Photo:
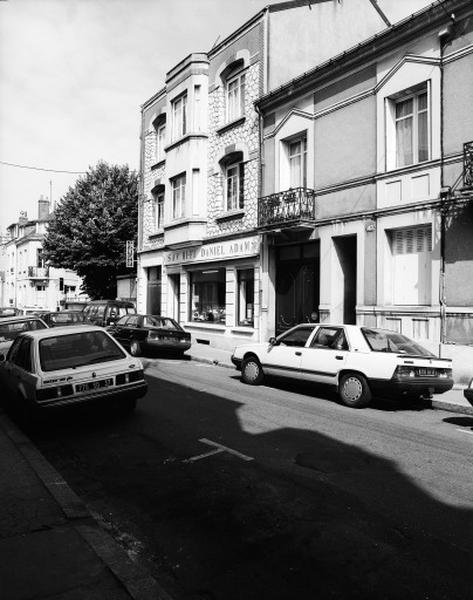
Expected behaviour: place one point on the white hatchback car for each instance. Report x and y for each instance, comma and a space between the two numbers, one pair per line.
71, 365
358, 361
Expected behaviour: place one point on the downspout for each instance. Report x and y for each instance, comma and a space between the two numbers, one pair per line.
445, 193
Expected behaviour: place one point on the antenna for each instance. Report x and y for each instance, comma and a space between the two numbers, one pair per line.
215, 43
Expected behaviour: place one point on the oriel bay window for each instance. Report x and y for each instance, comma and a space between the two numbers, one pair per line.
178, 185
246, 297
297, 154
208, 295
412, 128
233, 170
158, 208
179, 117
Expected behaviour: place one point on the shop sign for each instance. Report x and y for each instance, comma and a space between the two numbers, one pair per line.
230, 249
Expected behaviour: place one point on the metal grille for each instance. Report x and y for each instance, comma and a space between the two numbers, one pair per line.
468, 164
288, 207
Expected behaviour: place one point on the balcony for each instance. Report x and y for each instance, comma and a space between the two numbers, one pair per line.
468, 165
293, 208
38, 272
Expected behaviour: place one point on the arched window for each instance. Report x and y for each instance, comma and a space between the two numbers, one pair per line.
234, 80
159, 125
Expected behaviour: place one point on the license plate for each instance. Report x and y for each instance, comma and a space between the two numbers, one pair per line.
94, 385
426, 372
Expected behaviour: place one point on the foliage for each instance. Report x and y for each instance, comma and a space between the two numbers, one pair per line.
90, 226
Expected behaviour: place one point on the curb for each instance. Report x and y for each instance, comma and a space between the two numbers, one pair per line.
436, 404
139, 584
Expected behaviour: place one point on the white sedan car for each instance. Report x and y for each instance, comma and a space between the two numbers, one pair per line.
358, 361
65, 366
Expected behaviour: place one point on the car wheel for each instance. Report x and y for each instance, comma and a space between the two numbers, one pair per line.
252, 371
354, 390
135, 348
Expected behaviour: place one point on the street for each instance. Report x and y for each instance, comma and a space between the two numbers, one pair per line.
228, 491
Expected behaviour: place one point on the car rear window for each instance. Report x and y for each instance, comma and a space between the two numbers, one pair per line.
161, 322
77, 349
390, 341
9, 331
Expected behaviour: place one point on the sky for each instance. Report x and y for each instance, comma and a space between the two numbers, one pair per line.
74, 73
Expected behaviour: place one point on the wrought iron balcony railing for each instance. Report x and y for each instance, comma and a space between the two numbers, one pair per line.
287, 208
468, 164
38, 272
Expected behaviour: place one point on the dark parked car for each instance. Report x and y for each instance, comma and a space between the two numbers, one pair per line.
107, 312
142, 333
11, 327
65, 317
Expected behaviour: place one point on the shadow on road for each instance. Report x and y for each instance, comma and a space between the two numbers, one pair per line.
310, 517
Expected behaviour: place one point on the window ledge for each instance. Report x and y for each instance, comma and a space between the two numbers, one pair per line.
231, 214
156, 234
184, 139
248, 329
158, 164
230, 125
204, 325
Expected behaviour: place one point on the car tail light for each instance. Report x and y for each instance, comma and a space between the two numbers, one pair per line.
403, 371
124, 378
54, 392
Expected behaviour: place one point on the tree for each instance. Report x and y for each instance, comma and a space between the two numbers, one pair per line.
89, 228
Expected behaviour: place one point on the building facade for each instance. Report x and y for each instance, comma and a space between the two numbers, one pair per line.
29, 283
202, 255
366, 203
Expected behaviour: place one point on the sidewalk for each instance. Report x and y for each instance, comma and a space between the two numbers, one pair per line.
50, 546
452, 400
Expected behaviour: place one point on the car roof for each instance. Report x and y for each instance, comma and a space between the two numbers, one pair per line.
118, 302
20, 318
38, 334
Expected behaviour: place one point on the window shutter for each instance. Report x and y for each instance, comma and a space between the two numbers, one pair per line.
242, 95
241, 183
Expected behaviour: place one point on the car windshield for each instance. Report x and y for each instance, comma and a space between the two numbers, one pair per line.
67, 317
77, 349
9, 331
380, 340
161, 322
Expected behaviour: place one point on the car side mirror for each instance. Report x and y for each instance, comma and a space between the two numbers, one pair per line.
2, 358
273, 341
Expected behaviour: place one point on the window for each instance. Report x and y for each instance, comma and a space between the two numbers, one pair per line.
234, 185
158, 209
178, 196
296, 337
21, 356
39, 257
160, 141
389, 341
235, 96
179, 117
297, 153
412, 129
246, 296
331, 338
208, 295
411, 265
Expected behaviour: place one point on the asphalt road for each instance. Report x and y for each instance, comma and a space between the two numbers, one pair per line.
229, 491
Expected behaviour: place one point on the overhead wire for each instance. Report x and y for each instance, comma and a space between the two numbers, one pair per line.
30, 167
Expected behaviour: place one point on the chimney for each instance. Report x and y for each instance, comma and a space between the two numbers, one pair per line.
43, 209
23, 218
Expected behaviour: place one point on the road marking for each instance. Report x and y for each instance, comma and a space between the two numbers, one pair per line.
226, 449
464, 431
211, 453
219, 449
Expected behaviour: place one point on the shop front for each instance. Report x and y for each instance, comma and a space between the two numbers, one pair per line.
213, 290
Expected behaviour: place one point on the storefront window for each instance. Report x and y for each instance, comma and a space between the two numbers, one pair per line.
208, 295
246, 294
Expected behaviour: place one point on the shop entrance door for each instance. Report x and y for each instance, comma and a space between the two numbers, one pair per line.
153, 300
297, 285
175, 297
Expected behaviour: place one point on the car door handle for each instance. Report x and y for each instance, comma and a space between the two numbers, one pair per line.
338, 357
298, 353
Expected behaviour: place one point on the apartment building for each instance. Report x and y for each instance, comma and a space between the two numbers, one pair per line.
29, 283
365, 209
201, 249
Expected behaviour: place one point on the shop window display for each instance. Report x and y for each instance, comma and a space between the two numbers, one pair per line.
208, 296
246, 293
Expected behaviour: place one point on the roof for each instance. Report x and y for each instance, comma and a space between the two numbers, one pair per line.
436, 14
40, 334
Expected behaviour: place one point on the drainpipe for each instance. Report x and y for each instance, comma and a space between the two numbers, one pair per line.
444, 36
